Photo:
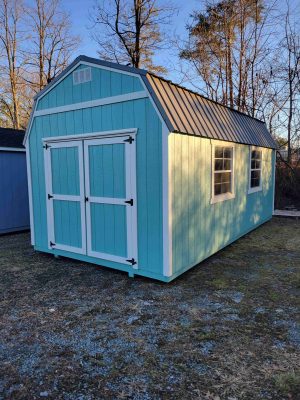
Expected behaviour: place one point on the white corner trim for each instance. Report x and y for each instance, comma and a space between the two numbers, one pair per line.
167, 191
29, 186
93, 103
92, 135
12, 149
224, 196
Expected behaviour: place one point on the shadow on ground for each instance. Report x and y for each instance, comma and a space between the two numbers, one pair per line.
227, 329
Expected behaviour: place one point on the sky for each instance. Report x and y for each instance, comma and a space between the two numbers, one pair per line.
79, 11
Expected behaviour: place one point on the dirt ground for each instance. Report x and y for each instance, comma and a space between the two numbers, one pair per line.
227, 329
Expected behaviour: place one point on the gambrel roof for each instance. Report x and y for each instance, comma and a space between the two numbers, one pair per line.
187, 112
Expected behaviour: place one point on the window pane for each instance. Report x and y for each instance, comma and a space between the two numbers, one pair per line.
217, 189
218, 177
227, 152
256, 154
226, 177
218, 165
225, 187
255, 179
219, 152
227, 164
222, 182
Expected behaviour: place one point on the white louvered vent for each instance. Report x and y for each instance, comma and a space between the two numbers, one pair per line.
82, 76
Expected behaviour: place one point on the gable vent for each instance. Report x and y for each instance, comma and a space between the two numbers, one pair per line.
82, 75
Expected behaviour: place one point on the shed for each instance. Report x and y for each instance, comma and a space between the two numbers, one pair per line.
130, 171
14, 207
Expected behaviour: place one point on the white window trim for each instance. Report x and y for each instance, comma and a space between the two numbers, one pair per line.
224, 196
257, 188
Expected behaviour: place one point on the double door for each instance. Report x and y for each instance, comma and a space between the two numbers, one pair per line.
91, 197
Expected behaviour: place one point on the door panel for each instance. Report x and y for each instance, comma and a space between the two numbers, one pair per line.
65, 170
111, 206
107, 170
65, 196
108, 229
67, 223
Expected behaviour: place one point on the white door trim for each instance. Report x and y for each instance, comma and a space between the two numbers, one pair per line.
131, 218
49, 201
92, 135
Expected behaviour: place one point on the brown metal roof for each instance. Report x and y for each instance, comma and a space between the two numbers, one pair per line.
188, 112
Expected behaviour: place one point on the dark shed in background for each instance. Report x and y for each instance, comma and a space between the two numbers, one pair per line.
14, 208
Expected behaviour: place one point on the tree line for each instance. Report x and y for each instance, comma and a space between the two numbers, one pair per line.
244, 54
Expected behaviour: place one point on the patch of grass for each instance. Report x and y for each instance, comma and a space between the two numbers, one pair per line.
206, 336
288, 384
274, 295
220, 283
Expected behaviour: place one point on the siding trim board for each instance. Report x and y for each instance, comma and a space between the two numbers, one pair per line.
12, 149
92, 103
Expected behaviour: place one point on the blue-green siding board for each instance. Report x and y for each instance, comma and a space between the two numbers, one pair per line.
104, 84
138, 114
199, 227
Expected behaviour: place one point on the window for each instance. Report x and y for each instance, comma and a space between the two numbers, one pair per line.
255, 170
82, 75
222, 173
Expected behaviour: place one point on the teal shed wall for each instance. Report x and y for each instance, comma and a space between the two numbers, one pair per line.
138, 114
200, 228
197, 228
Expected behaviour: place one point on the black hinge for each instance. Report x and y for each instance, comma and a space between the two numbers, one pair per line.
86, 199
46, 146
132, 261
52, 244
129, 202
129, 140
50, 196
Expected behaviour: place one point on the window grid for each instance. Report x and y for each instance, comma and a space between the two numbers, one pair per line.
255, 169
222, 170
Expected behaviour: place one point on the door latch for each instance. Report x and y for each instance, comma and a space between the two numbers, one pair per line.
129, 140
129, 202
131, 261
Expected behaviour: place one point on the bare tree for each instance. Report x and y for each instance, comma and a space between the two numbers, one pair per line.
130, 30
10, 15
51, 43
291, 71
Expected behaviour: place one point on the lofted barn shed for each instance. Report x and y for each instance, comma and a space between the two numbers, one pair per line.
132, 172
14, 208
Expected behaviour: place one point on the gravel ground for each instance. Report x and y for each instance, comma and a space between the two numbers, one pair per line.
227, 329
